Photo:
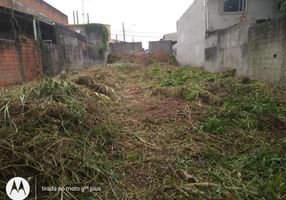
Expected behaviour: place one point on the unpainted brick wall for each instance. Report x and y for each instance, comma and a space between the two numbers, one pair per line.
38, 8
32, 59
10, 65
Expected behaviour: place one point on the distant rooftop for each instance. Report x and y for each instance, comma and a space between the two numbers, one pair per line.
171, 37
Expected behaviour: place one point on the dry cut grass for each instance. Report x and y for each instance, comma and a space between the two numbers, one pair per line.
146, 132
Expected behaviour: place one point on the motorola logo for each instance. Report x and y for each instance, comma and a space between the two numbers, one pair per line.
18, 188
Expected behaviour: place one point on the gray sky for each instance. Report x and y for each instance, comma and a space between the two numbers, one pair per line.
144, 19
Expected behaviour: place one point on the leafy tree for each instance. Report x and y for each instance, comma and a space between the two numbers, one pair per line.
282, 5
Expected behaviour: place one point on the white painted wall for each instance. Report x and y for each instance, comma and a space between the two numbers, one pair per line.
191, 35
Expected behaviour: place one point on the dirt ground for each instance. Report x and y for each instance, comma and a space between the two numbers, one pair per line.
164, 155
153, 136
147, 131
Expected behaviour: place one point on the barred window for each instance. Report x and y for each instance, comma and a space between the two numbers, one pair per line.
234, 5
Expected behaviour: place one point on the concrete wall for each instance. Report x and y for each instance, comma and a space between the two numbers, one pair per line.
220, 41
191, 29
95, 37
80, 28
257, 51
20, 61
267, 51
39, 8
227, 49
71, 51
256, 10
161, 47
203, 18
125, 48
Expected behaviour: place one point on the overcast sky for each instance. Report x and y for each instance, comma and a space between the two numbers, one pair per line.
144, 19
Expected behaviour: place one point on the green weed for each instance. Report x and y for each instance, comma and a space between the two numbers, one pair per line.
247, 107
175, 78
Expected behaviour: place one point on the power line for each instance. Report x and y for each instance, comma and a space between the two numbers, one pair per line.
146, 36
138, 32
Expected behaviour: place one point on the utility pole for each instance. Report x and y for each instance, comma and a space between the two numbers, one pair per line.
83, 11
77, 20
73, 17
123, 32
88, 18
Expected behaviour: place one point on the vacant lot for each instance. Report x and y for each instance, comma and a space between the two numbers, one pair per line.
146, 132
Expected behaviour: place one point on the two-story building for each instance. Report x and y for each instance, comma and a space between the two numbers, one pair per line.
35, 39
38, 8
206, 16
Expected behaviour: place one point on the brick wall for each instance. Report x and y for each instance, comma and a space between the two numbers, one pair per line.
9, 73
32, 59
38, 8
9, 61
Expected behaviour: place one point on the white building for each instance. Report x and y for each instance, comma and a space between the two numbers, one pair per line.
206, 16
170, 36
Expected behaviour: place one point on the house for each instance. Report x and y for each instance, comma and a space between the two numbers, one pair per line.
205, 17
35, 39
38, 8
171, 37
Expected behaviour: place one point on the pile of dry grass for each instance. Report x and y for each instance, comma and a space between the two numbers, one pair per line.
56, 133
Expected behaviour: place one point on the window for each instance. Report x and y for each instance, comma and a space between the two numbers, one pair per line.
234, 5
48, 33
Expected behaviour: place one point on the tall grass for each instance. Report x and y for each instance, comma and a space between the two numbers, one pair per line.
56, 133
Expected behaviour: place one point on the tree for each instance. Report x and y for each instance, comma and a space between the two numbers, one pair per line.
283, 5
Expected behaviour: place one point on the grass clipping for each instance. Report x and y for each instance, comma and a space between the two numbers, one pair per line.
55, 133
239, 124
